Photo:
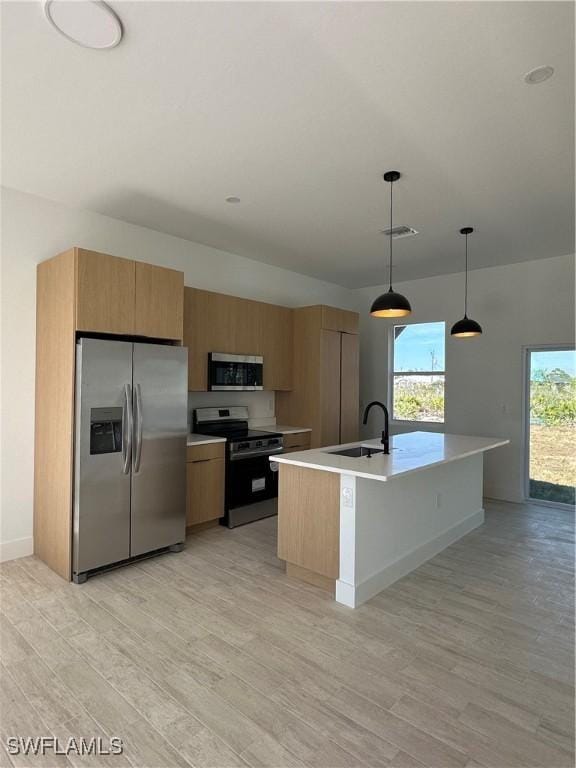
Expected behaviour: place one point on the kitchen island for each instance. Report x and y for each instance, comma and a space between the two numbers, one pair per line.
354, 524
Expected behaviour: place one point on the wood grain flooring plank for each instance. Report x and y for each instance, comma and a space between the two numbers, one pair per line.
45, 691
212, 658
531, 750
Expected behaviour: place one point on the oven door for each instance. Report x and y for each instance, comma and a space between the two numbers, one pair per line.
235, 372
250, 480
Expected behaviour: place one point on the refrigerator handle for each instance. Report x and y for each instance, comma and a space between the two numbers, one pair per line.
138, 427
127, 429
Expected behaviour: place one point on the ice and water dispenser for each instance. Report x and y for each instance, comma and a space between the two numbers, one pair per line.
105, 430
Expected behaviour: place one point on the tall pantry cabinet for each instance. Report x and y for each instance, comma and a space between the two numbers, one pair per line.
325, 376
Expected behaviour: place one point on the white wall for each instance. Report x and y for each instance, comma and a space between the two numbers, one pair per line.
35, 229
518, 305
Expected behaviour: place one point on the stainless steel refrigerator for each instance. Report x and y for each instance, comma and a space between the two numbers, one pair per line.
130, 452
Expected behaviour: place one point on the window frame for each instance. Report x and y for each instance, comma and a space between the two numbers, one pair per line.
392, 373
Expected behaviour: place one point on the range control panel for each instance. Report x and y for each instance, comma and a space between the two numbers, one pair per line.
264, 447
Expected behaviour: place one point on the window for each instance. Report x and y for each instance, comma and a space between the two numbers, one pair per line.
550, 403
418, 373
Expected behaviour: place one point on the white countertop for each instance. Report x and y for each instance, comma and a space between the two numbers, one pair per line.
283, 429
195, 439
409, 452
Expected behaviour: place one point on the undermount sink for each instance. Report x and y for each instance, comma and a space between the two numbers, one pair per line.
357, 452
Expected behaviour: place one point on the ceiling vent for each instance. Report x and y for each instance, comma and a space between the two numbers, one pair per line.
399, 232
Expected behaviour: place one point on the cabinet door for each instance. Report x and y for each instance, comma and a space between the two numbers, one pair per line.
350, 386
277, 339
159, 304
204, 491
245, 332
330, 387
208, 325
297, 441
195, 340
343, 320
104, 293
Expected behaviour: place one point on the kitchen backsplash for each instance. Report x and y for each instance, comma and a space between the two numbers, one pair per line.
261, 405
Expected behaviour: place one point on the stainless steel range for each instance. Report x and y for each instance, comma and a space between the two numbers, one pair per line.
251, 481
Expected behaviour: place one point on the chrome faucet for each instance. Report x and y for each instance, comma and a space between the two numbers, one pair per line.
386, 430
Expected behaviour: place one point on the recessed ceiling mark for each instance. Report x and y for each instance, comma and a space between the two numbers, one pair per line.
89, 23
233, 199
539, 75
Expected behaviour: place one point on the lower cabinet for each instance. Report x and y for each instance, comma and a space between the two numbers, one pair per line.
205, 483
297, 441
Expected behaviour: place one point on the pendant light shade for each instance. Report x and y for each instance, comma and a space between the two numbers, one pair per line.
391, 304
466, 327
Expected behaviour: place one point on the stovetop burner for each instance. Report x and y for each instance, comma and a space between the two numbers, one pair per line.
253, 434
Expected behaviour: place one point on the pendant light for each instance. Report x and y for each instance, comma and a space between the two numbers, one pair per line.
466, 327
391, 304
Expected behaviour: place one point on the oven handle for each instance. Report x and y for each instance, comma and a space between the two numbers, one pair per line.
251, 454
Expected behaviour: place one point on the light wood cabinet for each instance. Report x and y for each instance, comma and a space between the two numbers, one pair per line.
325, 390
297, 441
276, 346
127, 298
349, 387
246, 336
208, 327
105, 290
205, 483
309, 522
330, 389
343, 320
215, 322
205, 451
159, 302
54, 420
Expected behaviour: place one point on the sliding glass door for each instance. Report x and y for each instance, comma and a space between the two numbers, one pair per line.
551, 424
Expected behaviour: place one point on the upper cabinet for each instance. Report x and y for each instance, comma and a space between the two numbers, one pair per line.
105, 287
215, 322
342, 320
208, 327
159, 304
277, 333
125, 297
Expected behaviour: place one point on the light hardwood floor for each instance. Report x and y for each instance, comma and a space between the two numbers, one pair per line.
213, 657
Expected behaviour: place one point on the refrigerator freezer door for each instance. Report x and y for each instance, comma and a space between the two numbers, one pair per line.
101, 529
160, 384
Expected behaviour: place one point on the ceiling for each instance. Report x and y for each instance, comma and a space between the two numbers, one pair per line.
298, 109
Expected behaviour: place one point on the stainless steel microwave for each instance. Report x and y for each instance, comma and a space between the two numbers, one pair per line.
233, 373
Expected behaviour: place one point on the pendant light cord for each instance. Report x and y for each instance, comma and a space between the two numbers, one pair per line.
466, 280
391, 185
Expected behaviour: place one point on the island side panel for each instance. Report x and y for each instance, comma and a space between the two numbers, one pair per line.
400, 524
309, 524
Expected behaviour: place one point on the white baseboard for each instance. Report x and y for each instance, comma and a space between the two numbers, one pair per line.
11, 550
355, 596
